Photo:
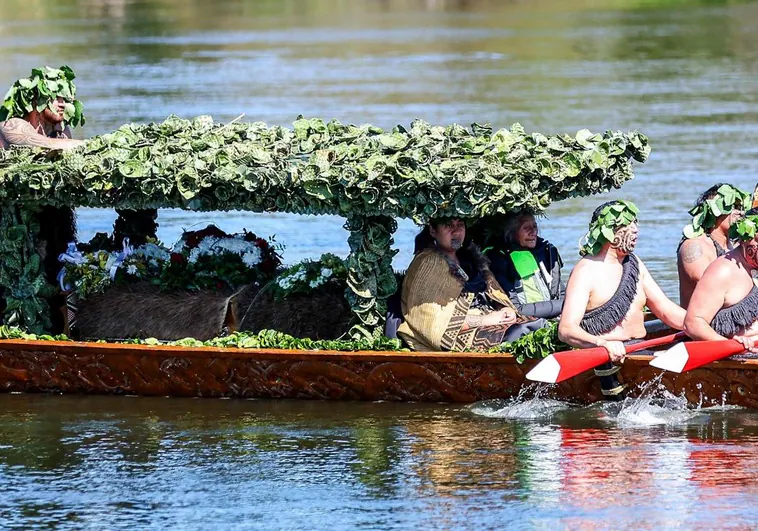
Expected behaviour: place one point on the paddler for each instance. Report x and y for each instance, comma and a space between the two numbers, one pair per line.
725, 302
38, 111
608, 290
34, 114
707, 236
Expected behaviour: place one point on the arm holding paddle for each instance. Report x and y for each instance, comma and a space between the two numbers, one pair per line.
569, 329
709, 297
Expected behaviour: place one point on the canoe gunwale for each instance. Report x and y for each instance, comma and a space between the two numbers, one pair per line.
77, 348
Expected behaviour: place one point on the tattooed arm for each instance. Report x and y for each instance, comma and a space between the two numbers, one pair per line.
695, 258
18, 132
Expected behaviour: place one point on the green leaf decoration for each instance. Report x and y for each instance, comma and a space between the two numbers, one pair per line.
367, 175
39, 91
618, 214
745, 229
706, 214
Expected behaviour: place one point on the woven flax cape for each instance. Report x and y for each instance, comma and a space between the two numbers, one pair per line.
728, 322
435, 307
607, 316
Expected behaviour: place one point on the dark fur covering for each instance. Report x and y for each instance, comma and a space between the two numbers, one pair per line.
141, 311
322, 314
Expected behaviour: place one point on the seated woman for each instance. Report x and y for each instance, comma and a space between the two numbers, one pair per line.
526, 266
450, 300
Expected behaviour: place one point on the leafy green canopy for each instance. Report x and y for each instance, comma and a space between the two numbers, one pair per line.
319, 168
40, 90
704, 214
745, 229
602, 230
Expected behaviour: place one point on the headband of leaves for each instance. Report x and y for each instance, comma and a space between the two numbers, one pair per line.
745, 228
603, 229
40, 90
705, 214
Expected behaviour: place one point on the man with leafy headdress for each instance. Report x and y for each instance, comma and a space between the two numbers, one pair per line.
609, 288
707, 236
725, 302
39, 110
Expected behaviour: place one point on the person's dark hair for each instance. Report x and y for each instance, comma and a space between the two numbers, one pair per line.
424, 238
710, 193
598, 210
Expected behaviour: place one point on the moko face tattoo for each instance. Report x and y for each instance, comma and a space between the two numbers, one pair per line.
625, 239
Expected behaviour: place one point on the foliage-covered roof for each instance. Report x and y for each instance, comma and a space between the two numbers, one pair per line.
323, 168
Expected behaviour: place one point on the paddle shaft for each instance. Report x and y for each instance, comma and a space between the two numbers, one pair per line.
655, 342
564, 365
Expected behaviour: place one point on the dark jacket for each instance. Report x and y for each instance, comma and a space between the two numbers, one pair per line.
504, 270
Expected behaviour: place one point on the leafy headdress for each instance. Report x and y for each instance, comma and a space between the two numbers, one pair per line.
713, 204
746, 228
611, 217
40, 90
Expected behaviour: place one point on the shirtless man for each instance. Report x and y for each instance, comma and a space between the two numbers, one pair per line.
30, 118
725, 302
610, 286
707, 237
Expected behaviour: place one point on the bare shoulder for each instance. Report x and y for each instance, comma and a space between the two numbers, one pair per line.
584, 271
694, 249
721, 270
15, 125
18, 132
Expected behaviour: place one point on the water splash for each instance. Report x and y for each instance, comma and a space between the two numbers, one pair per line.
655, 406
531, 403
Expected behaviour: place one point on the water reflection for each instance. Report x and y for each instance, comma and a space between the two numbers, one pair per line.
173, 460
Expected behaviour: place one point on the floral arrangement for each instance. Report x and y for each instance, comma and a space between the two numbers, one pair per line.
206, 259
308, 275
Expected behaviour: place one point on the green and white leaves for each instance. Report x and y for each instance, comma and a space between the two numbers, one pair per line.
705, 214
326, 168
745, 229
40, 90
601, 231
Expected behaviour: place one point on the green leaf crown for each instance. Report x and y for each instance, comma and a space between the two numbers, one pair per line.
603, 228
745, 229
705, 214
40, 90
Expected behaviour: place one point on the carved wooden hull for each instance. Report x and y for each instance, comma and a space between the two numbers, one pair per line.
106, 368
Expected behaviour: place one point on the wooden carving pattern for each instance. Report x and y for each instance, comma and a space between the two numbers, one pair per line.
427, 377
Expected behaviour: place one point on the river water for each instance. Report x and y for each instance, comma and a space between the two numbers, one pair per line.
683, 72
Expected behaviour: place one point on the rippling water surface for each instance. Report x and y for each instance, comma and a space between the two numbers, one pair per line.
121, 462
683, 72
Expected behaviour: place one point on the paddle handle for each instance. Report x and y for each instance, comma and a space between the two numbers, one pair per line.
655, 342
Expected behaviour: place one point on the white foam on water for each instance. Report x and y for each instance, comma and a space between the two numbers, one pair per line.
655, 406
529, 404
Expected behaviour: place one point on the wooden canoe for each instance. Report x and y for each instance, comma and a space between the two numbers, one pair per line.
113, 368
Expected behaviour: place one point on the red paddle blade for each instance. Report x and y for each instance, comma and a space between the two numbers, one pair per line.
684, 357
564, 365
